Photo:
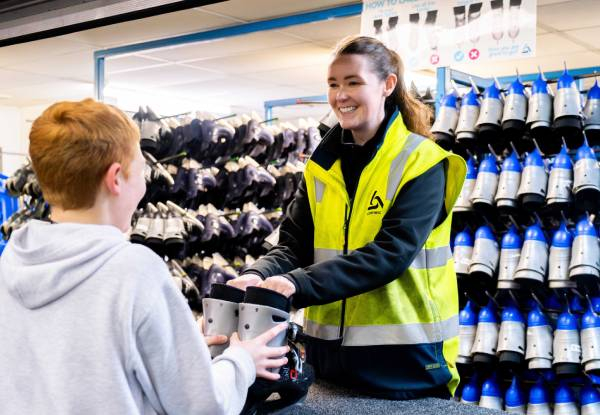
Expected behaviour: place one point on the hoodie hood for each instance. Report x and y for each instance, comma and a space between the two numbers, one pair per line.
42, 262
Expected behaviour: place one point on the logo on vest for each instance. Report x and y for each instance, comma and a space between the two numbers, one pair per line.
375, 205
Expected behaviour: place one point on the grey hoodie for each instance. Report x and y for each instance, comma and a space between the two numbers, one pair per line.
91, 324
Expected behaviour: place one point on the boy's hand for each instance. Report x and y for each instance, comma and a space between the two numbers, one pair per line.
216, 339
211, 340
264, 357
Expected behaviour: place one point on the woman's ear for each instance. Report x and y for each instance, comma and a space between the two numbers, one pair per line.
390, 84
112, 179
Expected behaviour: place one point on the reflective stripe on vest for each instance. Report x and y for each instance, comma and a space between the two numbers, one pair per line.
426, 258
432, 258
387, 334
322, 331
398, 164
319, 190
322, 254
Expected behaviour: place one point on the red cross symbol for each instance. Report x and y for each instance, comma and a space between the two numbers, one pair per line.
434, 59
473, 54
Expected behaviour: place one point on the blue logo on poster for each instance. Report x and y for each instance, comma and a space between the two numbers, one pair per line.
526, 49
459, 56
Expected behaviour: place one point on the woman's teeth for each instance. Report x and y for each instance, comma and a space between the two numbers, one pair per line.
347, 109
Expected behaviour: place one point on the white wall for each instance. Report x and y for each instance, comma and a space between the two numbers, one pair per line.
11, 140
28, 115
15, 124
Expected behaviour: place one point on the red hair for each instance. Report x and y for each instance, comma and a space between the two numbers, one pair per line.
72, 145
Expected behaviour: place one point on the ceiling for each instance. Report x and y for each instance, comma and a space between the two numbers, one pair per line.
26, 21
240, 73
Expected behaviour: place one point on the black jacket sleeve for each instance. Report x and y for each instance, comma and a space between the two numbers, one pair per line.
405, 228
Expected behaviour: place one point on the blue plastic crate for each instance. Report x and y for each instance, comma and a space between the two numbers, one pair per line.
8, 206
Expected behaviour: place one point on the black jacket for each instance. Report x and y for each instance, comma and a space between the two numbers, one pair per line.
418, 208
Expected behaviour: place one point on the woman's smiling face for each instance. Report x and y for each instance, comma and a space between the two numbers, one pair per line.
356, 95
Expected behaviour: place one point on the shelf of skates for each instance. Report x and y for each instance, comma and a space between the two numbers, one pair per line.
524, 264
210, 210
527, 258
517, 115
539, 394
528, 358
526, 247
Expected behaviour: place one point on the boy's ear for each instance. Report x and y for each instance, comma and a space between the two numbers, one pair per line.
113, 179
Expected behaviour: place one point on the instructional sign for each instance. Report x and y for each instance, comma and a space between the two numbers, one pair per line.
430, 33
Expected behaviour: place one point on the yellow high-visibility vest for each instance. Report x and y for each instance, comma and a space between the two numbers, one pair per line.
420, 306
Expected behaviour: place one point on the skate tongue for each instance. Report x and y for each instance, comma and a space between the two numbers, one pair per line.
227, 293
270, 298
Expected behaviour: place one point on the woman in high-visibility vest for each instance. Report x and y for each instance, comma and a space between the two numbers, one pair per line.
365, 243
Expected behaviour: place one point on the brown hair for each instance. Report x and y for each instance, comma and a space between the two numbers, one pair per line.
384, 62
72, 145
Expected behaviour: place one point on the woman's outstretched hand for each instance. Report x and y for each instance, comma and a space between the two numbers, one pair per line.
280, 284
244, 281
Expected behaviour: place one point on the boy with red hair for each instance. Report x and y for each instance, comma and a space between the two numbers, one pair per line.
91, 323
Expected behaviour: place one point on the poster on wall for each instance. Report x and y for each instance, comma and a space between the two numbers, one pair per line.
430, 33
